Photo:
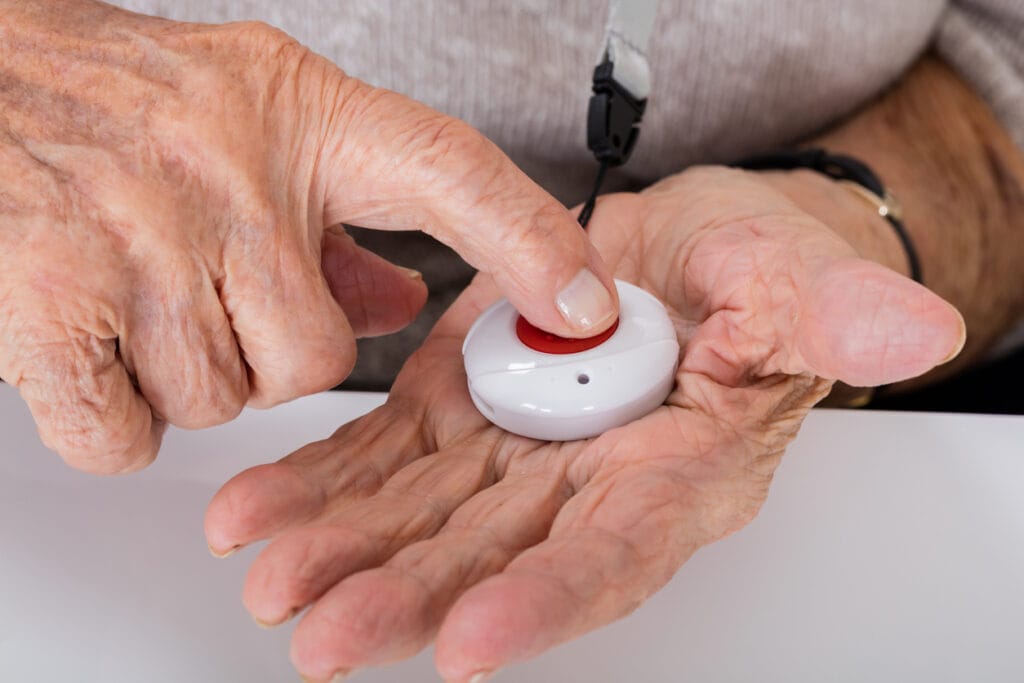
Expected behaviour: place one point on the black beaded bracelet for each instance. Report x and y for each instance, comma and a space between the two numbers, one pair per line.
851, 172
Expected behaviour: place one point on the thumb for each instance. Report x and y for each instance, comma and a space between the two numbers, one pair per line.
377, 296
394, 164
866, 325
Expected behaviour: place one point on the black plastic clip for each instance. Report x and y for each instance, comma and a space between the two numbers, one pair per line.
613, 118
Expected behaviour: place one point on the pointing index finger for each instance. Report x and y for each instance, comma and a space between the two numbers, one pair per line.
392, 163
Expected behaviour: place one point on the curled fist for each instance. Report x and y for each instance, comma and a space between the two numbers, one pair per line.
171, 197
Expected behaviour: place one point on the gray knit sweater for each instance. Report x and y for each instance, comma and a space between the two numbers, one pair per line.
730, 78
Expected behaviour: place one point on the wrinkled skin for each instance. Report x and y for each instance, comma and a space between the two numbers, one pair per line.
422, 520
170, 205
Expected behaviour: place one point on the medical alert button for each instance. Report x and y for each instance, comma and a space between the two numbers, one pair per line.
536, 384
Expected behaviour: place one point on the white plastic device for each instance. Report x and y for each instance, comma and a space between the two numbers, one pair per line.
535, 384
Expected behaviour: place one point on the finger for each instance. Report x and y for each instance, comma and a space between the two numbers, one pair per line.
789, 297
359, 457
612, 546
867, 325
391, 612
298, 566
350, 465
183, 352
377, 296
293, 335
392, 163
83, 401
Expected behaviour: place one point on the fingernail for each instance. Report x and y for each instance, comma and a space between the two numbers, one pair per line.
479, 677
221, 555
584, 302
963, 340
413, 274
336, 678
272, 624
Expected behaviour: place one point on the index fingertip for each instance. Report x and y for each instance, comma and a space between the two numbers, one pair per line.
587, 304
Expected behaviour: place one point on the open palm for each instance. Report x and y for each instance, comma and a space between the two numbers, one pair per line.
423, 520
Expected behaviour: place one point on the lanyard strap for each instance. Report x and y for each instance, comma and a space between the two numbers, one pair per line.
630, 24
622, 81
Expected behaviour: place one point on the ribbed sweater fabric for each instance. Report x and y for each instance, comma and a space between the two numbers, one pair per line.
730, 78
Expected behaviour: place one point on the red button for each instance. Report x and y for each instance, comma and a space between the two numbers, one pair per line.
545, 342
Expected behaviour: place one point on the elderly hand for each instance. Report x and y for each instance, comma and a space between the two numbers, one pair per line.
167, 197
423, 519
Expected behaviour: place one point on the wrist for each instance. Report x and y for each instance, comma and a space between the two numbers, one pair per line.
850, 216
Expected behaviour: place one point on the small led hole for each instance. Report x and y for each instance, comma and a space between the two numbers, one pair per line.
583, 378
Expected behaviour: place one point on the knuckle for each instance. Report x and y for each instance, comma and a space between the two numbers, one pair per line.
210, 411
84, 408
52, 359
444, 136
375, 130
215, 401
206, 392
262, 37
449, 151
544, 238
331, 368
90, 442
275, 57
313, 372
540, 246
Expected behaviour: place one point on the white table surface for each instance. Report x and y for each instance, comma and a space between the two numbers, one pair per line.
890, 549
